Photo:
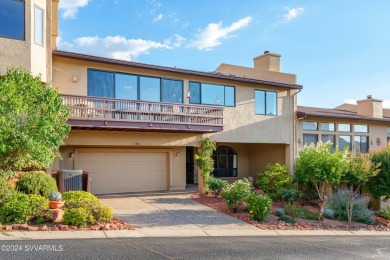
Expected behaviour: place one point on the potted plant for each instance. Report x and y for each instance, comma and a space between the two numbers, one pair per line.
55, 200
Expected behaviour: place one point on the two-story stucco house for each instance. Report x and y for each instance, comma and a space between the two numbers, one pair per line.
136, 127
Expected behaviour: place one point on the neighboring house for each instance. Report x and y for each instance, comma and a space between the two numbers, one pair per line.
363, 127
136, 126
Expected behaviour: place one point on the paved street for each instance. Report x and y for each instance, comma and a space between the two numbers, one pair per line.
364, 247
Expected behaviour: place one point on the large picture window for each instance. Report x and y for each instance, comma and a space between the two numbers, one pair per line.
309, 139
212, 94
266, 103
134, 87
12, 19
225, 162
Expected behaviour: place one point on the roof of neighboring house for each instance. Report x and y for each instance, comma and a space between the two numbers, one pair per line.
215, 75
336, 114
353, 107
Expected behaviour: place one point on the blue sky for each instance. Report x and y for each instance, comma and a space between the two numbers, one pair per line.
339, 50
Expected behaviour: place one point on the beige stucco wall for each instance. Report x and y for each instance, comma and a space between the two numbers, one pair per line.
375, 130
25, 53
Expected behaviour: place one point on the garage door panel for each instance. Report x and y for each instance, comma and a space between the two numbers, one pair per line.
118, 171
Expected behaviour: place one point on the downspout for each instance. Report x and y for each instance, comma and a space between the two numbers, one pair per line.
295, 123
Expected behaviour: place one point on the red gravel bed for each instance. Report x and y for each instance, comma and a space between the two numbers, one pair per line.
272, 223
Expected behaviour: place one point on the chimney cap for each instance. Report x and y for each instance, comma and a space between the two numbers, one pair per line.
369, 96
265, 52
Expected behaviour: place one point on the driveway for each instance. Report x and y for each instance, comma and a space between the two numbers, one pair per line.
172, 212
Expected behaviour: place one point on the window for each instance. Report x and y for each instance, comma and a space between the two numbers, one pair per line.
12, 19
388, 130
38, 28
309, 126
266, 103
126, 86
134, 87
310, 139
149, 88
172, 91
360, 128
212, 94
100, 83
361, 144
344, 127
327, 127
344, 141
225, 162
330, 138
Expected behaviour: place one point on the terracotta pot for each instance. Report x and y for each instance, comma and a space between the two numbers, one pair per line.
56, 204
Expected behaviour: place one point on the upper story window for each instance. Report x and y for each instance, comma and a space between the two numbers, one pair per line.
38, 25
12, 19
135, 87
344, 127
309, 126
327, 127
212, 94
266, 103
360, 128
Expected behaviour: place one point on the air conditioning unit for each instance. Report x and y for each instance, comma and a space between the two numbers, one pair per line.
70, 180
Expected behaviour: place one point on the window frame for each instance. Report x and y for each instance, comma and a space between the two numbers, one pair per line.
43, 25
351, 140
265, 101
338, 128
217, 155
138, 84
310, 130
24, 24
359, 132
201, 90
329, 131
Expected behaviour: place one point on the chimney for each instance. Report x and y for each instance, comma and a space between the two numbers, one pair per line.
370, 107
268, 61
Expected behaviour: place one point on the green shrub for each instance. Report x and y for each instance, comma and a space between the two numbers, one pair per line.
105, 214
274, 178
280, 212
297, 212
216, 185
386, 213
95, 210
379, 185
6, 191
23, 207
39, 183
289, 195
7, 174
77, 195
287, 219
75, 217
259, 206
329, 213
359, 212
236, 193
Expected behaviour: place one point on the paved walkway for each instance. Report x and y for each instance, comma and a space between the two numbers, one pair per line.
172, 213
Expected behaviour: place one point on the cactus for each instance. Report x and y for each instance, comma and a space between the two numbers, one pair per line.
55, 195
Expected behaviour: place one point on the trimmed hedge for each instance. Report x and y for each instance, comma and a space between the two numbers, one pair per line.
39, 183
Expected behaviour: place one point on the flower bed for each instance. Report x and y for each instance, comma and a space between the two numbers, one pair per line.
114, 224
272, 223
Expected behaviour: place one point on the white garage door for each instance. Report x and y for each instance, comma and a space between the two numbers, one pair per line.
119, 171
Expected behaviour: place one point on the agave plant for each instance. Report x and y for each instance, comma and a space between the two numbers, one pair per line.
54, 196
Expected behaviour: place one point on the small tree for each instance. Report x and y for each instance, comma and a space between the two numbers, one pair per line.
32, 121
379, 185
316, 164
204, 158
360, 169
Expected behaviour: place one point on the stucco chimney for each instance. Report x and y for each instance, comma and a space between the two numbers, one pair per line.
370, 107
268, 61
54, 24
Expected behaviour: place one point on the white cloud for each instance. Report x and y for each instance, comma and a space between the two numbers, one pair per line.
350, 101
70, 8
117, 47
158, 18
214, 33
177, 42
293, 13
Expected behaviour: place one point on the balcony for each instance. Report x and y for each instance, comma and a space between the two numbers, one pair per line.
135, 115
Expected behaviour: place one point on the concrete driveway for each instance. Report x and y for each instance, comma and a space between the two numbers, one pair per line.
174, 213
